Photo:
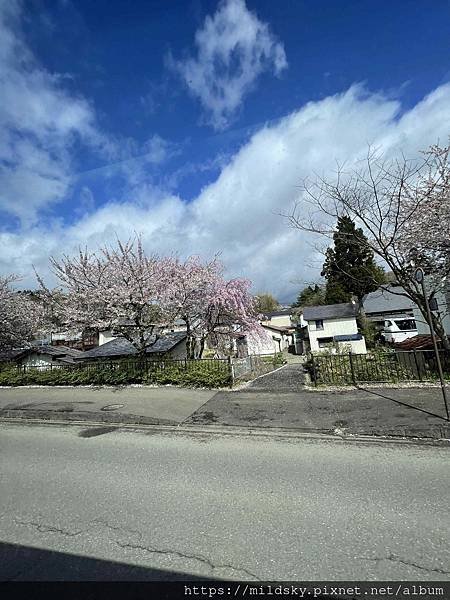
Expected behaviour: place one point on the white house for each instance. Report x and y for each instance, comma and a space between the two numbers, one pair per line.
44, 357
280, 327
267, 343
443, 309
334, 324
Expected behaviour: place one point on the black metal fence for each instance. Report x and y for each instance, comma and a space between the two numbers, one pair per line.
418, 365
135, 364
200, 372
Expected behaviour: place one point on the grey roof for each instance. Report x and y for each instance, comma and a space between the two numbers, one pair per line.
122, 347
330, 311
60, 352
383, 301
12, 354
57, 351
279, 313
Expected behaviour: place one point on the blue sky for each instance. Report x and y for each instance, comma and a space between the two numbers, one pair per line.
192, 123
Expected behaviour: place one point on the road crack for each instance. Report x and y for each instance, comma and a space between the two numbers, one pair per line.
197, 557
47, 528
397, 559
119, 528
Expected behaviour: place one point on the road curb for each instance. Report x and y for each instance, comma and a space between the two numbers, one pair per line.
255, 432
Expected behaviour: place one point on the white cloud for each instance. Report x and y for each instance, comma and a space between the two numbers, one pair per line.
39, 122
238, 213
40, 125
233, 49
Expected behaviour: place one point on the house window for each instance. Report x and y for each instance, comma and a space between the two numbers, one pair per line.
325, 342
319, 324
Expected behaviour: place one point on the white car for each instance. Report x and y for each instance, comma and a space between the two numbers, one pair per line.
399, 329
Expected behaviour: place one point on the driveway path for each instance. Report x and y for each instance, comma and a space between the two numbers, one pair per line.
290, 378
280, 400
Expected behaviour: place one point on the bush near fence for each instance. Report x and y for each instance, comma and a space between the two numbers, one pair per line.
386, 367
191, 373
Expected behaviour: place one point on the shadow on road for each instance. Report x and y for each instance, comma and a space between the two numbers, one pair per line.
427, 412
24, 563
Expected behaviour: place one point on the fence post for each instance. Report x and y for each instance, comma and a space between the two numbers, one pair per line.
419, 374
231, 368
352, 369
314, 369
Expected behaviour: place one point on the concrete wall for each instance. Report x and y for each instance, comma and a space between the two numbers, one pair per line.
179, 352
36, 360
281, 321
105, 336
264, 345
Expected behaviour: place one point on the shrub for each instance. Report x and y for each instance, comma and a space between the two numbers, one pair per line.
276, 359
185, 373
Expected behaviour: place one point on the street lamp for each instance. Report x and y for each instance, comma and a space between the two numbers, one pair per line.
419, 277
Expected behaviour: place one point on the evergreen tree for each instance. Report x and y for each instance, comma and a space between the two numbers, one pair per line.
310, 296
349, 266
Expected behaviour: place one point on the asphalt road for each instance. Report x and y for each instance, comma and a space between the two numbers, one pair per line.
99, 504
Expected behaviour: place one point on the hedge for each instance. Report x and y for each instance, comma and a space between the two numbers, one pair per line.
183, 373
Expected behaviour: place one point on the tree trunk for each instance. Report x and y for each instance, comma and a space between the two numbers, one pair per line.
190, 345
439, 330
202, 347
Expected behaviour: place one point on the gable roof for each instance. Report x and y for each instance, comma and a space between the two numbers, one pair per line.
330, 311
122, 347
12, 354
279, 313
57, 351
382, 300
62, 353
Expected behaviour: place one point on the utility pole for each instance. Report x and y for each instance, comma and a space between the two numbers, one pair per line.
419, 277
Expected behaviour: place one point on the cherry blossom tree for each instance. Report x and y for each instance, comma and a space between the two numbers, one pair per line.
140, 296
209, 304
402, 206
21, 315
118, 287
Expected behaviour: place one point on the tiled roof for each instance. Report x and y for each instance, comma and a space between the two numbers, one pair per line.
382, 300
12, 354
418, 342
122, 347
330, 311
60, 352
57, 351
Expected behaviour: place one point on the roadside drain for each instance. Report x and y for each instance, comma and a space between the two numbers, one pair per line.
95, 431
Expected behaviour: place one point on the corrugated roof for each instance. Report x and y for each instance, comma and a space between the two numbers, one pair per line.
381, 300
122, 347
330, 311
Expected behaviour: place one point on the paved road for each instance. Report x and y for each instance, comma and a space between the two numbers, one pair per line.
136, 505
